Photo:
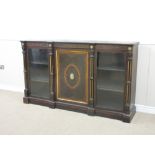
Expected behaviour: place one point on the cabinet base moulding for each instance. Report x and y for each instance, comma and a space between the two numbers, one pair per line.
82, 109
42, 102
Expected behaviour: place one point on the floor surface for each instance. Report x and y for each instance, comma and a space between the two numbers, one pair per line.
19, 118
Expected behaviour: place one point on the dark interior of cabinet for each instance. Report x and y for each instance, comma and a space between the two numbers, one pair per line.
39, 76
110, 80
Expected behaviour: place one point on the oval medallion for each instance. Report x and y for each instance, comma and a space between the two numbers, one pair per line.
72, 76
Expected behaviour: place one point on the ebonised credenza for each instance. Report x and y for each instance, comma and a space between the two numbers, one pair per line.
96, 78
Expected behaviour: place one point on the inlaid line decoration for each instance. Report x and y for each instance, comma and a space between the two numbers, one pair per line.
72, 76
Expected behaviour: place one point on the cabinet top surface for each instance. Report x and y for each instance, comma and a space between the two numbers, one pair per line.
83, 42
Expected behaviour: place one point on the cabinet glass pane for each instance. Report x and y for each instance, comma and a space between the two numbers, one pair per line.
110, 100
111, 61
39, 89
38, 56
110, 80
39, 77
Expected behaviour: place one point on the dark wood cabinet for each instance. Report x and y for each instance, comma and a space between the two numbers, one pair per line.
96, 78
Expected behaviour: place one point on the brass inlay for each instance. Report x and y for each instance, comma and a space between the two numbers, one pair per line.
51, 78
127, 94
58, 51
129, 97
51, 86
129, 78
91, 80
57, 74
72, 76
91, 67
130, 70
92, 88
70, 100
50, 64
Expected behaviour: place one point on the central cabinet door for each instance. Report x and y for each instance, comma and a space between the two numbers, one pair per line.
72, 75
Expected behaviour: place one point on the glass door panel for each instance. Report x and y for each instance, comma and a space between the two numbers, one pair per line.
38, 69
110, 100
111, 61
110, 80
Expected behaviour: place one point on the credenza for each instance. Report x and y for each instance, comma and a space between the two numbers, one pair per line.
96, 78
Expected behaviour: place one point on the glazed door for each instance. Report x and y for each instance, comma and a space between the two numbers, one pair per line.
72, 75
111, 73
38, 72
